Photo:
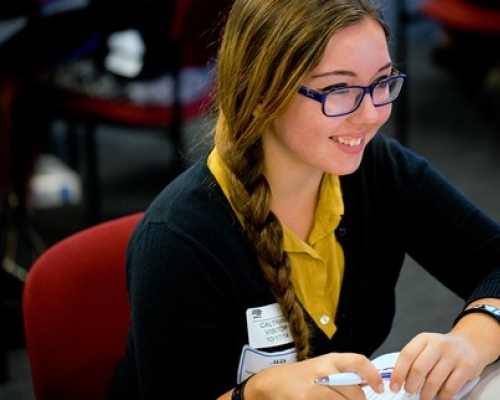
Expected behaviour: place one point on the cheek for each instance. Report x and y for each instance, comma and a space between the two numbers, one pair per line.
304, 120
303, 132
298, 129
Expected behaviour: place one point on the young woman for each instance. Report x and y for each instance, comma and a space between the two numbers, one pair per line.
277, 257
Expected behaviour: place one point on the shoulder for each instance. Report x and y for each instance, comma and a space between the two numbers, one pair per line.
189, 195
191, 208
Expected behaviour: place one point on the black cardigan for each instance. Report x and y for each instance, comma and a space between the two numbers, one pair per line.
192, 273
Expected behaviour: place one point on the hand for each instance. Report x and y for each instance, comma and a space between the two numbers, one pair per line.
438, 364
296, 381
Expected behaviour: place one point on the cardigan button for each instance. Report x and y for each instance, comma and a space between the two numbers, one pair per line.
325, 319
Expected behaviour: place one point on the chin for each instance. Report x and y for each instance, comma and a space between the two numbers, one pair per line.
345, 168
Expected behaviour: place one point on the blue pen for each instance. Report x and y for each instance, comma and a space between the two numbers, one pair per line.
348, 378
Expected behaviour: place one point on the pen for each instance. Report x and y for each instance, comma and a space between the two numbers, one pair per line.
347, 378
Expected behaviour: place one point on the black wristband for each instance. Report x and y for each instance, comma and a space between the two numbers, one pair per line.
239, 389
480, 308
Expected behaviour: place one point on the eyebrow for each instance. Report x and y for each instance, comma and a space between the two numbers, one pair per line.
345, 72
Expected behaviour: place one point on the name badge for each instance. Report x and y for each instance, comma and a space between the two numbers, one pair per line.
253, 361
267, 327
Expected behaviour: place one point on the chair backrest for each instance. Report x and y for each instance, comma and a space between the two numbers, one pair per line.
76, 312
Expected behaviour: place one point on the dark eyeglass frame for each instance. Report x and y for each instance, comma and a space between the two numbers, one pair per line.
321, 96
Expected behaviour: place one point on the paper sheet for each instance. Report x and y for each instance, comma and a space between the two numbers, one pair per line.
388, 361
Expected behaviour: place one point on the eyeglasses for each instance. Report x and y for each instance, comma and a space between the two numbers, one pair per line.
345, 100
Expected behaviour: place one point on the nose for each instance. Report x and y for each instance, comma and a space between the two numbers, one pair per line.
366, 109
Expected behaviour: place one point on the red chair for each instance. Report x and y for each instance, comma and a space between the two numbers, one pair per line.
76, 312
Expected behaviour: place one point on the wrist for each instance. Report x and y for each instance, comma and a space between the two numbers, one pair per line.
239, 389
483, 330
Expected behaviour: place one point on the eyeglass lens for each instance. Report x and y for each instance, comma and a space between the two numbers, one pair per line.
345, 100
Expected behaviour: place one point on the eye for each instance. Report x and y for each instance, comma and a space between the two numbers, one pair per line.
382, 84
340, 91
381, 78
334, 87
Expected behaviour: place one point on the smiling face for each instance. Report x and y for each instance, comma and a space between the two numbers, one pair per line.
303, 137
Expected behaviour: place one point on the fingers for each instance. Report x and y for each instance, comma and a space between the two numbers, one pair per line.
364, 368
405, 372
349, 362
444, 381
434, 364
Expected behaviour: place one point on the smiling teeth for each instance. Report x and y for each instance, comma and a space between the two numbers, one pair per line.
349, 142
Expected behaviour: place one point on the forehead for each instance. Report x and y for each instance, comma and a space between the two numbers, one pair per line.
361, 48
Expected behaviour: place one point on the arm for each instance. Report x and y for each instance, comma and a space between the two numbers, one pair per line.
184, 323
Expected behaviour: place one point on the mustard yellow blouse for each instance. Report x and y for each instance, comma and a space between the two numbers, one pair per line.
318, 263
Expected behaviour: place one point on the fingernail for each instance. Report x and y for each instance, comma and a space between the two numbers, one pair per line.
395, 387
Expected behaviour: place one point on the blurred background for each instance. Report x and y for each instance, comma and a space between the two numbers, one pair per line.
98, 113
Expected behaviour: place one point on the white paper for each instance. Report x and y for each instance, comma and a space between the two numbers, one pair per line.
389, 361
